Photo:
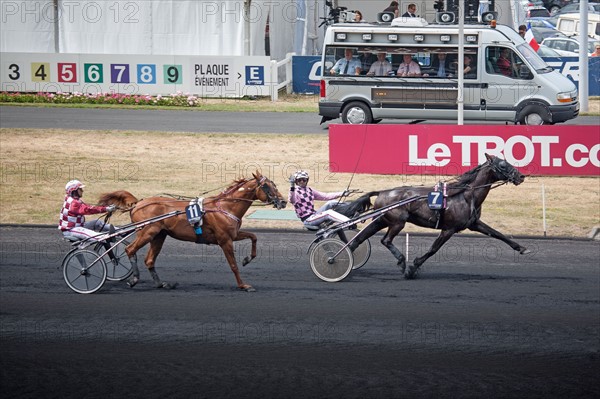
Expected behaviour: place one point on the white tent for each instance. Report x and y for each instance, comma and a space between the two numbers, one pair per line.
160, 27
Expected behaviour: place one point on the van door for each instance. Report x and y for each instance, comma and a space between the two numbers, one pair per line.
509, 83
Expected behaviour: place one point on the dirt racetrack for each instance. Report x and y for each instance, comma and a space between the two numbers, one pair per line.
480, 321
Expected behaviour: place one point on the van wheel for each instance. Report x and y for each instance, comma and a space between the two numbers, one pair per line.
534, 115
357, 113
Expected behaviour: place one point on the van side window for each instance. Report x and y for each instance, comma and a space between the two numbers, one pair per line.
502, 61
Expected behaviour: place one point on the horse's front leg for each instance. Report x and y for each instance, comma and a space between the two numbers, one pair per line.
437, 244
483, 228
227, 247
243, 235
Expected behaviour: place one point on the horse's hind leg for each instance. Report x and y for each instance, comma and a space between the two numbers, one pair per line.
143, 237
388, 242
242, 235
437, 244
483, 228
155, 247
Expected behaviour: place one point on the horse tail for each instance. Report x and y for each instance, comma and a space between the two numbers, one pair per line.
359, 205
122, 199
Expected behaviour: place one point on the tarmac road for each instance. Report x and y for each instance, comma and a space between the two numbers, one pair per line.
480, 321
181, 121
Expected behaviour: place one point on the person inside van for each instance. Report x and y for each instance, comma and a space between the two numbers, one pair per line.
470, 70
408, 68
443, 66
503, 63
596, 52
381, 67
366, 60
347, 65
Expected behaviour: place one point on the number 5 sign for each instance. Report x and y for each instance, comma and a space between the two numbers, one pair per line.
67, 72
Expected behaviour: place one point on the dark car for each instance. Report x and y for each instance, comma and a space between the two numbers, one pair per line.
573, 8
533, 12
555, 5
542, 33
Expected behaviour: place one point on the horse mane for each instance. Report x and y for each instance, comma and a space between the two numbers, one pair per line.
462, 182
234, 185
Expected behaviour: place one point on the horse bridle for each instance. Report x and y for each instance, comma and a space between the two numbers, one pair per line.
271, 198
499, 169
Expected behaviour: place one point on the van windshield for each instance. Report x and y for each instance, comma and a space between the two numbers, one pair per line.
533, 59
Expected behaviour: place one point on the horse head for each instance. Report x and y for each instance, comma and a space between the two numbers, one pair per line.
504, 171
266, 191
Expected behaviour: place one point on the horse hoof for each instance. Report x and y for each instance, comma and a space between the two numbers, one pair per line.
132, 282
402, 266
411, 273
247, 288
524, 251
167, 286
245, 261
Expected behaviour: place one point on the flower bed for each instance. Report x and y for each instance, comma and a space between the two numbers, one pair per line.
178, 99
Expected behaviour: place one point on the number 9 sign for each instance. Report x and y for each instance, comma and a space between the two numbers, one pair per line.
172, 74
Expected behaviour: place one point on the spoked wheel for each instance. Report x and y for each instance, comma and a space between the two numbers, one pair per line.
325, 265
84, 271
118, 265
361, 254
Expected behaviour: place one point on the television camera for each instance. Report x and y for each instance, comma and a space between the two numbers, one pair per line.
337, 14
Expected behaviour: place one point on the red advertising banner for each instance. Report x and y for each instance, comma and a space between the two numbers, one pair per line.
560, 150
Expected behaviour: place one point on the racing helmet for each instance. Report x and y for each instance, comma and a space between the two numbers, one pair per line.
73, 185
301, 174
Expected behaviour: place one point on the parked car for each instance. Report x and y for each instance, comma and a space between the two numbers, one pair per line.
573, 8
539, 22
537, 12
555, 5
531, 3
543, 33
545, 51
568, 46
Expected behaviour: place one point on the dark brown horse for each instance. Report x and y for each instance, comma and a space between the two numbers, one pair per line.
465, 198
221, 222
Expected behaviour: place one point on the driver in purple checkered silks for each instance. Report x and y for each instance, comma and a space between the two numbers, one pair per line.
303, 199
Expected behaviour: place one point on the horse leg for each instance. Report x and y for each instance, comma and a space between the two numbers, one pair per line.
242, 235
155, 247
387, 242
143, 238
437, 244
483, 228
227, 247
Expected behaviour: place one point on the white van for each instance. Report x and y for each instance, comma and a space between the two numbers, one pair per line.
507, 80
569, 24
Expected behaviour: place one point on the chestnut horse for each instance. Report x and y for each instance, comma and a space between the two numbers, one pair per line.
221, 222
465, 199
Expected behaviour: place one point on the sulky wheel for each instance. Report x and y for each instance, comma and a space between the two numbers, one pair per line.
84, 271
118, 265
325, 265
362, 253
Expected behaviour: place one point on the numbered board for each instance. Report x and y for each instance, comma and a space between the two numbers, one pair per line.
208, 76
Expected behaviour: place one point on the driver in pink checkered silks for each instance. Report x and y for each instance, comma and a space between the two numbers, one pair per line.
303, 199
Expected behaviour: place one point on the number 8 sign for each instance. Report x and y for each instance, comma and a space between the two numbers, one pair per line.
146, 73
